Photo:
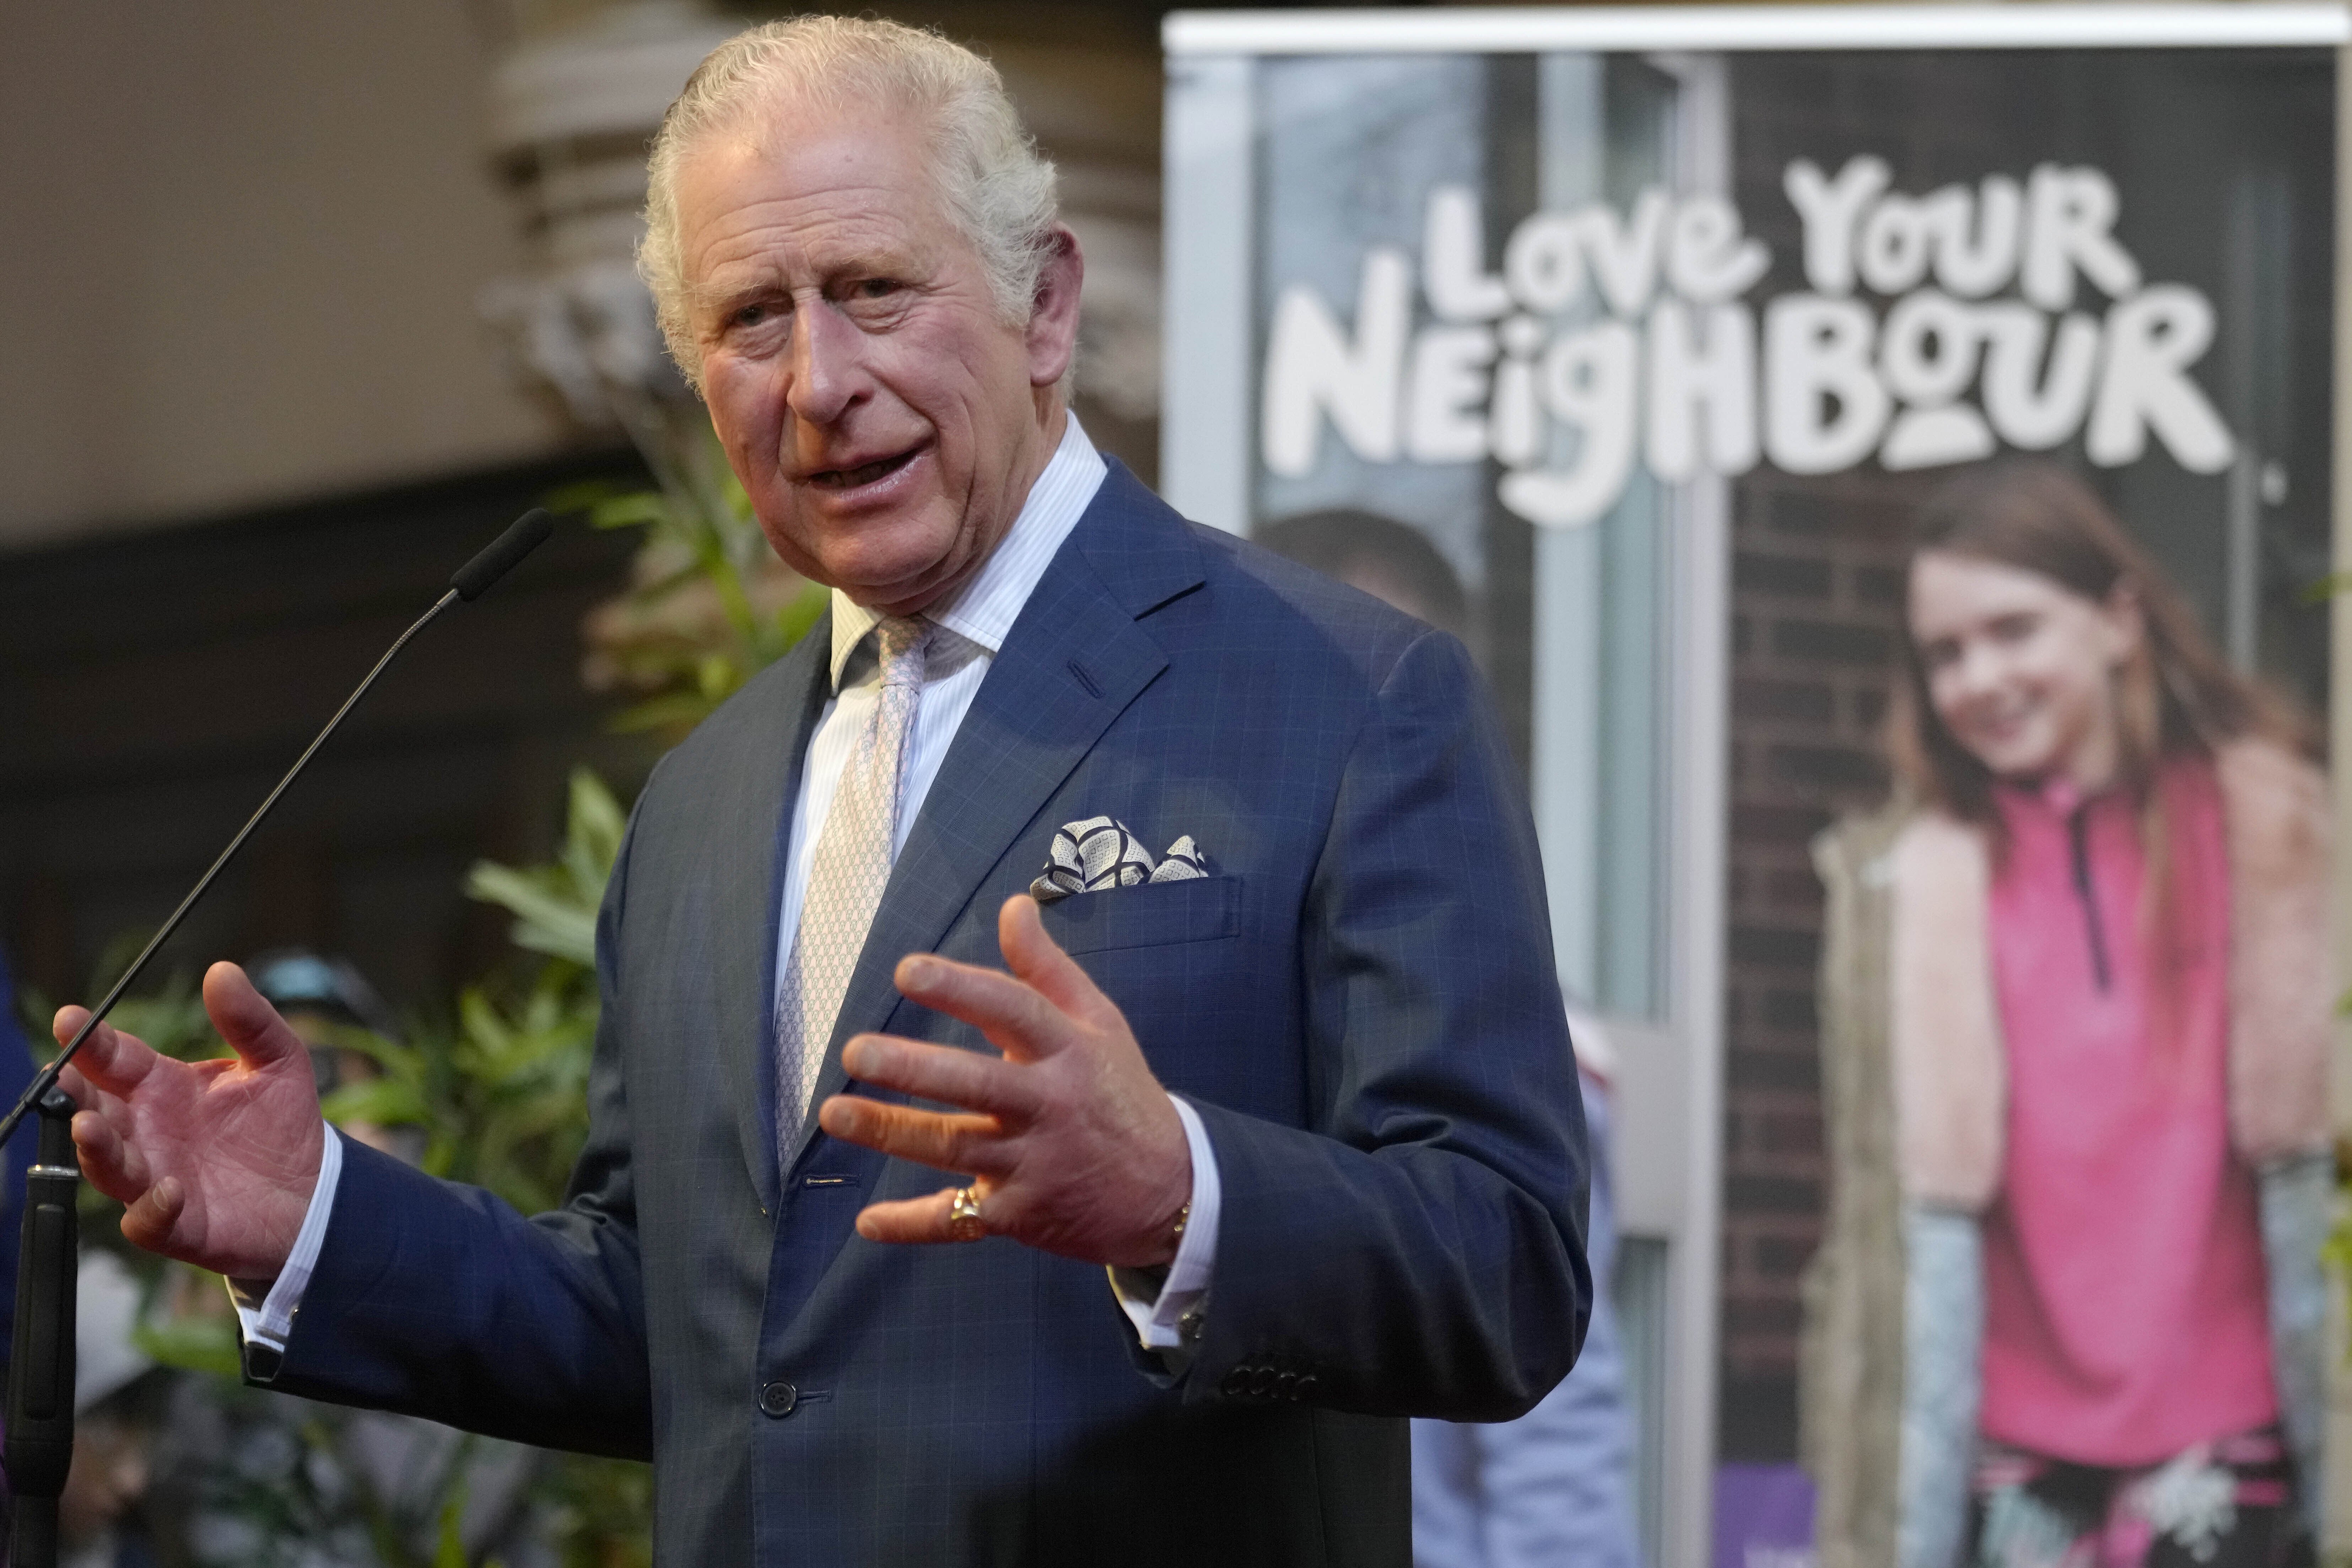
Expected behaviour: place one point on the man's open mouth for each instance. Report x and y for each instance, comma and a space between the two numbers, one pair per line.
864, 474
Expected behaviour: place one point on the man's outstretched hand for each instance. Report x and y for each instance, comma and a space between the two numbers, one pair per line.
1073, 1145
217, 1160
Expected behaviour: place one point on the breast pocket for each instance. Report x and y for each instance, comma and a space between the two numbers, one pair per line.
1157, 914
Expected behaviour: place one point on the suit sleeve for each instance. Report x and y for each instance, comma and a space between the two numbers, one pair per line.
437, 1300
1419, 1249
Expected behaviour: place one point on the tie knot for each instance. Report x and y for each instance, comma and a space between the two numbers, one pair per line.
899, 642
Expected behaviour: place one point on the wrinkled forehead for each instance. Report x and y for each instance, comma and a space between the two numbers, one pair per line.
813, 191
853, 153
784, 111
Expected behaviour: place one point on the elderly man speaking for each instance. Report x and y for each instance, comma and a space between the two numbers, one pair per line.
1079, 1058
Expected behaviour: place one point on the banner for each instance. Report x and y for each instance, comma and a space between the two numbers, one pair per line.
1713, 375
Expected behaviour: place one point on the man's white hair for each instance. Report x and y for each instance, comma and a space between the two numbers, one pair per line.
995, 187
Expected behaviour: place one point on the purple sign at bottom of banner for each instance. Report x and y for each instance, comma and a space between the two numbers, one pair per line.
1763, 1516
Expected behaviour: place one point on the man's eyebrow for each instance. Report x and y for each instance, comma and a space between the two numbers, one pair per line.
886, 261
721, 297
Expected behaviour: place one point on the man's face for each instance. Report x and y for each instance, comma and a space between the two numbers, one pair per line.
884, 417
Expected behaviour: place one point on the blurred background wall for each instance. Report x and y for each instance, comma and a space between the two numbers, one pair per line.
300, 302
243, 246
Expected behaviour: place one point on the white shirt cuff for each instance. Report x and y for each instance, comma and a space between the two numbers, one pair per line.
269, 1320
1168, 1317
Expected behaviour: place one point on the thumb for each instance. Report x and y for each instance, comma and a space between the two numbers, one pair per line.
152, 1218
246, 1020
1039, 962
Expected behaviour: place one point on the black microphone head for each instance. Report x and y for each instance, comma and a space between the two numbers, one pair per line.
522, 536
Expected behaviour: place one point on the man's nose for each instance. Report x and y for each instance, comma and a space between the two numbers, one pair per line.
827, 364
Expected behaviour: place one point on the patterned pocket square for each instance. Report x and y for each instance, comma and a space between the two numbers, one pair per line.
1101, 853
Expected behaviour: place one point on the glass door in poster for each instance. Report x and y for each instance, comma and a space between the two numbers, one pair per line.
1638, 368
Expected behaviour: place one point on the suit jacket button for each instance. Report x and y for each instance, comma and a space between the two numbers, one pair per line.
1307, 1384
1235, 1384
777, 1399
1264, 1381
1286, 1385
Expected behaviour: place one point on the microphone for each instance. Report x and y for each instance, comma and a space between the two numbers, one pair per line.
469, 582
523, 535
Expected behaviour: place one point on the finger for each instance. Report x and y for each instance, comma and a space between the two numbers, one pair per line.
968, 1079
246, 1020
112, 1109
918, 1220
150, 1222
114, 1166
79, 1089
1037, 959
943, 1140
109, 1059
1016, 1020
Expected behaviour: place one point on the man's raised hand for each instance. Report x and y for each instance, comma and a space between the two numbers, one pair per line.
1073, 1145
217, 1160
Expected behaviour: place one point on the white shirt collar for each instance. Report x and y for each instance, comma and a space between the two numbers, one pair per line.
983, 611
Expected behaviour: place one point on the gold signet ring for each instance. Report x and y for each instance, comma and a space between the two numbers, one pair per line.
963, 1217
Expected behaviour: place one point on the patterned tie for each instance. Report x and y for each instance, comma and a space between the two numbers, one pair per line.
846, 876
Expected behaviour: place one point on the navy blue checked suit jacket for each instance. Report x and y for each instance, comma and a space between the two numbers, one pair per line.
1358, 998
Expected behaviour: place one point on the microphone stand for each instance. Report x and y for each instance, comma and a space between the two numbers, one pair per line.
41, 1367
41, 1374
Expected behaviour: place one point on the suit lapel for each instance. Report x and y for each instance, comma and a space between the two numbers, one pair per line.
1072, 663
747, 870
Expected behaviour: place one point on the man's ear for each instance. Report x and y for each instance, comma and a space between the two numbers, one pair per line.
1053, 332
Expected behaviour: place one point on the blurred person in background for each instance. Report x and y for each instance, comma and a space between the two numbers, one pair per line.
325, 1000
2077, 1005
16, 1075
1556, 1485
1393, 561
388, 1474
17, 1071
120, 1398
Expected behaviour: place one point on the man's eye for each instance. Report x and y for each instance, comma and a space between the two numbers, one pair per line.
876, 287
2015, 629
750, 315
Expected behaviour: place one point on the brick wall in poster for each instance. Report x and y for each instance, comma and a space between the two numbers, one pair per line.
1816, 607
1816, 604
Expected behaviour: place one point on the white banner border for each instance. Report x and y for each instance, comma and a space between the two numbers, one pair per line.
1643, 28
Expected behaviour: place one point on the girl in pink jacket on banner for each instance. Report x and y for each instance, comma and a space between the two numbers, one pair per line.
2108, 992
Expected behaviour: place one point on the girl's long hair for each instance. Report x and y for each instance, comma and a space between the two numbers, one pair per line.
2174, 697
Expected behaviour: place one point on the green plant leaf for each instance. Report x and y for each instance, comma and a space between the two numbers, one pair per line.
549, 918
658, 712
387, 1102
449, 1550
595, 827
208, 1345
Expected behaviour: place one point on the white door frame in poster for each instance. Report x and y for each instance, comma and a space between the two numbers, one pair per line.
1671, 1179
